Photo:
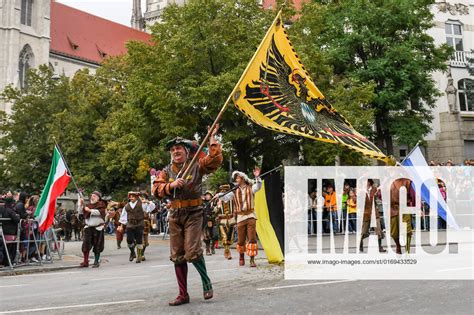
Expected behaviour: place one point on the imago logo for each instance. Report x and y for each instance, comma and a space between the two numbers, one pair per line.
378, 223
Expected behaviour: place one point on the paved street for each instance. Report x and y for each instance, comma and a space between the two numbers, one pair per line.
120, 287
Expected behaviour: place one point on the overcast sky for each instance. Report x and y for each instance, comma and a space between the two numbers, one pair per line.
119, 11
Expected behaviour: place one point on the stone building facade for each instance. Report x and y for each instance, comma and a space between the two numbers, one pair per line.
24, 38
152, 14
452, 135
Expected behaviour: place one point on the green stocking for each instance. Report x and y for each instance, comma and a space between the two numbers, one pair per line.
201, 268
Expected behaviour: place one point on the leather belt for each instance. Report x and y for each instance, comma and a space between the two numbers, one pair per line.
186, 203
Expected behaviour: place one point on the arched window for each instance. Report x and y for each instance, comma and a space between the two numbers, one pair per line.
26, 12
26, 62
466, 95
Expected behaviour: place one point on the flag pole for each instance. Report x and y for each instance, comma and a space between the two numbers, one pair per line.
411, 151
67, 167
261, 176
229, 98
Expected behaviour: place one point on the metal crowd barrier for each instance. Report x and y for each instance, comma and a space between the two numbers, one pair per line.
52, 246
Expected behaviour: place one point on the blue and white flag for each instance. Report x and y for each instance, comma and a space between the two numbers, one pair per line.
416, 165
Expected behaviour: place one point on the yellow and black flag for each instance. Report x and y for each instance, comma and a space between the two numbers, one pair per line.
271, 219
277, 93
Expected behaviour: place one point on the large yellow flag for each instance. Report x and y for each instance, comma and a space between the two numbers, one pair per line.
277, 93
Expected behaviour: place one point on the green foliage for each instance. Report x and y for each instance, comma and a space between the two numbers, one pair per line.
26, 142
371, 59
383, 42
216, 179
182, 82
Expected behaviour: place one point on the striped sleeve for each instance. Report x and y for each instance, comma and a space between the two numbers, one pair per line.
161, 186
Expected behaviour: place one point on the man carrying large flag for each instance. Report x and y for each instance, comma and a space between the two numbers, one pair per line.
181, 181
56, 184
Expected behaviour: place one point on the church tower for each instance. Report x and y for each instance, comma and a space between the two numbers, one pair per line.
154, 9
24, 38
137, 17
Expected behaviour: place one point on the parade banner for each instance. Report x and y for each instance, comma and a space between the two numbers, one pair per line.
56, 184
272, 242
277, 93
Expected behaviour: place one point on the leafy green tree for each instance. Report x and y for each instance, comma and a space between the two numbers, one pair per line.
66, 111
372, 60
180, 83
216, 179
26, 143
92, 98
384, 42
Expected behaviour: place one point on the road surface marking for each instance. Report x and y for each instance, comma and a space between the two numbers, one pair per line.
118, 278
69, 306
303, 285
161, 266
13, 285
454, 269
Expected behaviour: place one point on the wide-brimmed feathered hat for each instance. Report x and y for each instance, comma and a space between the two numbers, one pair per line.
243, 175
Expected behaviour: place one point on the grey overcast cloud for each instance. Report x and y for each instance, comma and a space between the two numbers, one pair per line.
119, 11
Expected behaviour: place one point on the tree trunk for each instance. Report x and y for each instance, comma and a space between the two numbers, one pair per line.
379, 136
388, 142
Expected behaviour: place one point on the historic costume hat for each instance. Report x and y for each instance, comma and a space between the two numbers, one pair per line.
243, 175
133, 193
178, 140
97, 193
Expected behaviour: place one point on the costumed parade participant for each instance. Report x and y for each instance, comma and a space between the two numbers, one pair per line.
93, 238
133, 217
209, 232
146, 223
395, 212
227, 222
369, 205
119, 231
186, 212
243, 204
